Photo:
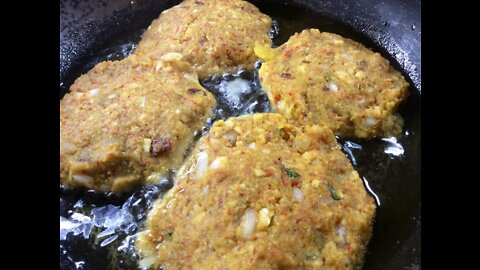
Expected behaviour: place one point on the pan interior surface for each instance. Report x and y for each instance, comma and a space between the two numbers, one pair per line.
97, 230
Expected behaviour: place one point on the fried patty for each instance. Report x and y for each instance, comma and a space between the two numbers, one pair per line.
259, 193
214, 36
128, 121
322, 77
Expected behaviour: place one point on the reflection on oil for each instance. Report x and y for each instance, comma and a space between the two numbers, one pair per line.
109, 219
393, 147
367, 185
348, 146
93, 228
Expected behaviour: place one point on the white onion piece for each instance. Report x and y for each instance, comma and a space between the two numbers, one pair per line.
249, 223
158, 66
93, 92
147, 144
346, 56
147, 262
66, 147
82, 179
341, 235
332, 86
190, 77
252, 145
171, 56
298, 194
218, 162
369, 122
202, 165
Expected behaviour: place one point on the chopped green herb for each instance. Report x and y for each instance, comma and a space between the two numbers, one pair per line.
291, 173
170, 234
334, 193
311, 257
327, 78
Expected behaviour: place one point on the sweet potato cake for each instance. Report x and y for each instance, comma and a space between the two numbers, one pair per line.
259, 193
322, 77
214, 36
128, 121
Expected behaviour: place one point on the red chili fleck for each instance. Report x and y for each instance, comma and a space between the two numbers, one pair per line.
160, 145
288, 53
268, 172
193, 91
348, 247
295, 183
199, 3
326, 89
277, 98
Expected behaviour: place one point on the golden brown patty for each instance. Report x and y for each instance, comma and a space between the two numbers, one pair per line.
214, 36
258, 193
127, 120
322, 77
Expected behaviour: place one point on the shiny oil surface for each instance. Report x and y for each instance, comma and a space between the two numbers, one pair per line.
97, 230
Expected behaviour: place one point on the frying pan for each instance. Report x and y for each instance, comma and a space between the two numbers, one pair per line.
94, 30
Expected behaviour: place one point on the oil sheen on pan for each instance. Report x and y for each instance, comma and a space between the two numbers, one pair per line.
98, 225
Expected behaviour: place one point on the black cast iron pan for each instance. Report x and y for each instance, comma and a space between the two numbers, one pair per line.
94, 30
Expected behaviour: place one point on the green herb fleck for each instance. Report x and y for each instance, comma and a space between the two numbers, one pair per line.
334, 193
291, 173
170, 234
327, 78
311, 257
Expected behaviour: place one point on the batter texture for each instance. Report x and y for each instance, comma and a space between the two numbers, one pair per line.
214, 36
259, 193
322, 77
129, 121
